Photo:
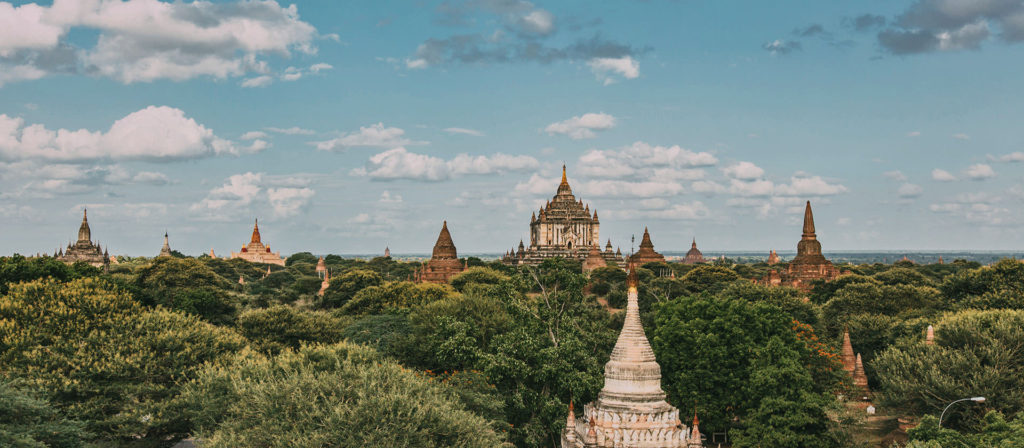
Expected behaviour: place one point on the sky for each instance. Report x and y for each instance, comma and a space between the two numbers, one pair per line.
346, 127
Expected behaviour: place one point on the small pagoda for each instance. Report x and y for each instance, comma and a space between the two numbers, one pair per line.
808, 265
444, 261
694, 255
646, 253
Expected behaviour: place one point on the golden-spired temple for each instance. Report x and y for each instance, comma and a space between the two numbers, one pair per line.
256, 252
631, 409
564, 227
84, 250
646, 254
808, 265
444, 261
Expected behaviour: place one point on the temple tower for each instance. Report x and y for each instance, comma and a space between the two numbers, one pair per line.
256, 251
84, 249
849, 359
444, 261
631, 409
809, 264
646, 254
694, 255
166, 250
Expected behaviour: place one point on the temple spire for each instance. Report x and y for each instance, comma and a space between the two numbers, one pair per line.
84, 233
849, 359
809, 223
256, 232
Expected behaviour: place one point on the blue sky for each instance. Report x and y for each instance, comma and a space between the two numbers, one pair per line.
348, 126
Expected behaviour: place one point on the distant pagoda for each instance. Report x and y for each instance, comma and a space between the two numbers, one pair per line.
630, 410
808, 265
564, 227
646, 253
84, 250
166, 250
256, 252
694, 255
444, 261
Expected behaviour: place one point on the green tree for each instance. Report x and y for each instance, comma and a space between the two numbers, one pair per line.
16, 269
340, 395
344, 287
708, 278
301, 257
395, 295
713, 349
188, 285
27, 421
975, 353
102, 358
477, 275
276, 328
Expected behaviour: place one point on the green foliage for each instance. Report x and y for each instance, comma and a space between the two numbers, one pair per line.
903, 276
395, 295
301, 257
27, 421
188, 285
102, 358
975, 353
16, 269
822, 292
344, 287
717, 352
477, 275
996, 432
708, 278
867, 298
340, 395
383, 332
997, 286
276, 328
788, 299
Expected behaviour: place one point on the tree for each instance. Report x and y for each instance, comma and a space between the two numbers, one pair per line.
477, 275
343, 288
276, 328
340, 395
27, 421
975, 353
187, 285
100, 356
713, 349
903, 276
708, 278
16, 269
301, 257
395, 295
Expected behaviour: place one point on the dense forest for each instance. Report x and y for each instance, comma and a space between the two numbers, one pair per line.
240, 354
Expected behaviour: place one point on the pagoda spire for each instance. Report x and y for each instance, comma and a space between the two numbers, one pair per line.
849, 359
445, 247
84, 233
809, 223
632, 374
256, 232
695, 437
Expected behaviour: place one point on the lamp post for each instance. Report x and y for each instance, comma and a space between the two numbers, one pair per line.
974, 399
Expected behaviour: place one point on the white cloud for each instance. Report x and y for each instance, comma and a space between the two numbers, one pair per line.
319, 67
464, 131
288, 202
257, 81
244, 193
695, 210
154, 133
914, 134
150, 177
373, 136
761, 187
942, 175
538, 21
398, 163
537, 185
1012, 157
583, 126
910, 191
294, 130
744, 171
606, 68
809, 186
961, 136
253, 135
661, 162
387, 198
141, 41
618, 188
707, 186
979, 171
896, 175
